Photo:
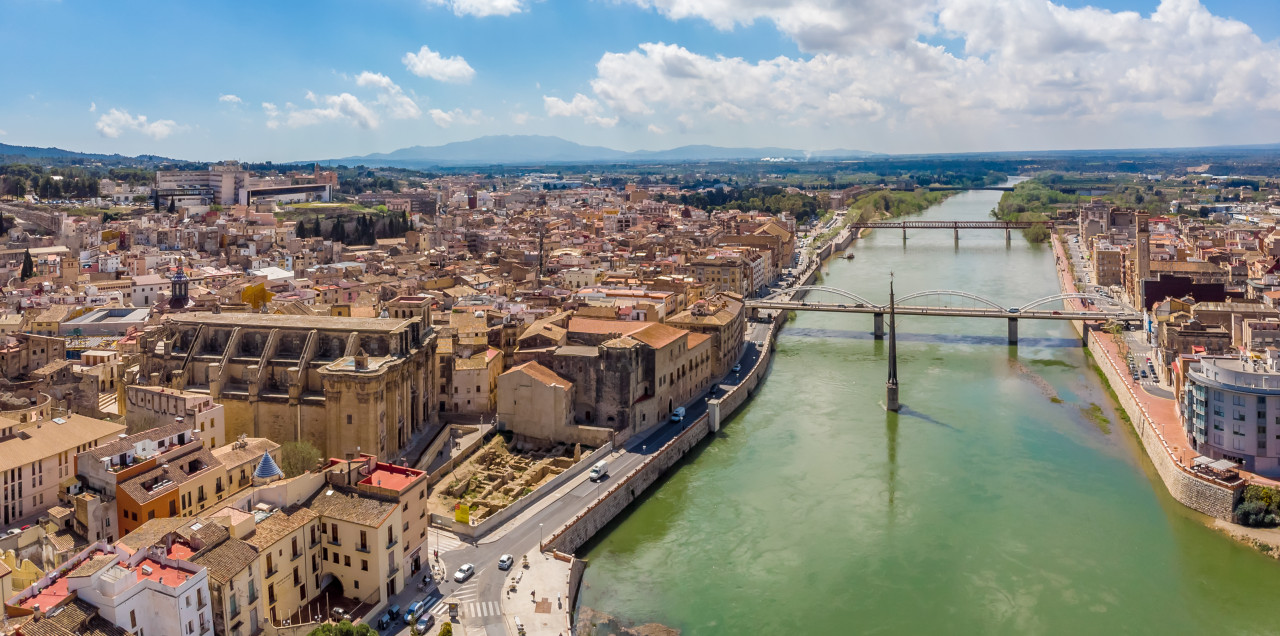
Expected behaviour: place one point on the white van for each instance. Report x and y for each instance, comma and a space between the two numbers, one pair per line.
678, 415
599, 471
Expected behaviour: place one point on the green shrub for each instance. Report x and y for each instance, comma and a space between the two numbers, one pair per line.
446, 629
1255, 514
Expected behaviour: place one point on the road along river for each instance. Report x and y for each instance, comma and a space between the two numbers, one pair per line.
1006, 498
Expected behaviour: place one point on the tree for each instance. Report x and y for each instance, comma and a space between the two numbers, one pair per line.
315, 227
300, 230
172, 208
28, 266
446, 629
298, 457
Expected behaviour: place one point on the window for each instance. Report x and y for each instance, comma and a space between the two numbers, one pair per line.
364, 565
133, 620
1237, 400
346, 560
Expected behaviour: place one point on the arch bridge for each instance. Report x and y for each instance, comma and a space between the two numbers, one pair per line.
954, 303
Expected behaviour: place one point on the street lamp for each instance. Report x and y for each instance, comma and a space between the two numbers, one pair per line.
539, 537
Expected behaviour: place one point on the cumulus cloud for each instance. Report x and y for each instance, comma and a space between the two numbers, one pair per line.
580, 106
481, 8
93, 106
230, 99
116, 122
457, 116
390, 96
520, 119
815, 25
428, 63
1021, 62
389, 101
273, 114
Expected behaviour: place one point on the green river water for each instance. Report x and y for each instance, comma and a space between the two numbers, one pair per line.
993, 504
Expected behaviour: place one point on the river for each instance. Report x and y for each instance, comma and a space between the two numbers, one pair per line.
998, 502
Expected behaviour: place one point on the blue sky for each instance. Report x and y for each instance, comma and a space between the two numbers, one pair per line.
294, 81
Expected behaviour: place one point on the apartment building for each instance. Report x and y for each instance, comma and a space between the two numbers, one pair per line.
146, 585
37, 454
1231, 410
152, 406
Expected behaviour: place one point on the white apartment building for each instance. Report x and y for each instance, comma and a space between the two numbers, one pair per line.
152, 590
1231, 410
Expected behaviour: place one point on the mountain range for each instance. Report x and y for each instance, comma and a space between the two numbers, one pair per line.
536, 149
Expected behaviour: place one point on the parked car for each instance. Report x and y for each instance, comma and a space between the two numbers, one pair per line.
425, 623
505, 562
464, 572
338, 615
415, 610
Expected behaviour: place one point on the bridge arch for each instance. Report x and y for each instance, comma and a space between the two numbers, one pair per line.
831, 290
1061, 297
901, 300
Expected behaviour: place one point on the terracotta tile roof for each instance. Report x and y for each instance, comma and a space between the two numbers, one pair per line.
95, 564
151, 532
174, 472
279, 525
76, 618
658, 335
233, 454
226, 559
600, 326
120, 445
541, 374
351, 506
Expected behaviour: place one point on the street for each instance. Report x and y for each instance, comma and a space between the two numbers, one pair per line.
480, 597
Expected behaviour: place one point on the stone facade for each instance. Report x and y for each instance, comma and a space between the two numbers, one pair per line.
346, 385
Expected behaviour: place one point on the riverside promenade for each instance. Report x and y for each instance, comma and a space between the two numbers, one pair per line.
1155, 420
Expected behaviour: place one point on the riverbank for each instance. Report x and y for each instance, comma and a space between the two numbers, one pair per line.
1052, 526
1156, 424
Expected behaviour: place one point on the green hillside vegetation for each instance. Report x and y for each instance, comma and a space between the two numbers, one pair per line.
1033, 201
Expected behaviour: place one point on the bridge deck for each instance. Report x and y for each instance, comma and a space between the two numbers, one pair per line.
951, 225
959, 312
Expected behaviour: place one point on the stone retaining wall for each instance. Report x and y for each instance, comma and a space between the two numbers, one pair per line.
587, 523
1198, 493
1214, 499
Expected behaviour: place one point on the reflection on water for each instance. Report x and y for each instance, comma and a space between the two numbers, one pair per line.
989, 505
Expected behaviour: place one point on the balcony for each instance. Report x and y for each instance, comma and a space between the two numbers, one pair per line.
334, 541
272, 572
362, 548
393, 570
295, 556
392, 543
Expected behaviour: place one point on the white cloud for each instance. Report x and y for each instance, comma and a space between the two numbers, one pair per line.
391, 102
815, 25
390, 96
428, 63
520, 119
230, 99
1022, 63
481, 8
457, 116
115, 122
656, 129
3, 133
580, 106
273, 114
93, 106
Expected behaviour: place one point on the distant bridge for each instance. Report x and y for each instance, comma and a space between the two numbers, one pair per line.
938, 188
948, 302
954, 226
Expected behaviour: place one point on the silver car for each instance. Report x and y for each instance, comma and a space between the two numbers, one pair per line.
464, 572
